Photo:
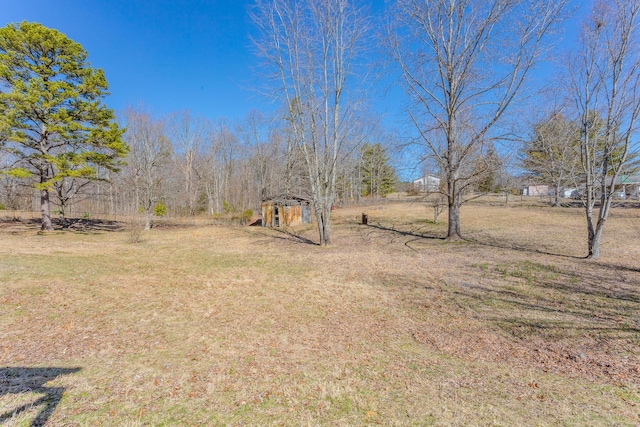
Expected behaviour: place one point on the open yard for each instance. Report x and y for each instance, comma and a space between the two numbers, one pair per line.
206, 325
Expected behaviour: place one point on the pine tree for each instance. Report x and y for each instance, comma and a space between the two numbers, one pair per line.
52, 119
378, 177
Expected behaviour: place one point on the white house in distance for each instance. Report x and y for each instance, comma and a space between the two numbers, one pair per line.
427, 183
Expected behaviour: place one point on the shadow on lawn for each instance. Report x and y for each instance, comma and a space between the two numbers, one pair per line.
290, 235
494, 244
415, 233
409, 233
528, 298
71, 224
18, 380
514, 247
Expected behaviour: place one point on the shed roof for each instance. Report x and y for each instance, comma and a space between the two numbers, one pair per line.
288, 199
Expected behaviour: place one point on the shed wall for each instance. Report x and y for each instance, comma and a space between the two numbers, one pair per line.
276, 214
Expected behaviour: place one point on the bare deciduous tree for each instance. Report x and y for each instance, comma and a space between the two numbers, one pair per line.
605, 85
463, 63
262, 153
216, 165
147, 161
312, 47
552, 153
187, 133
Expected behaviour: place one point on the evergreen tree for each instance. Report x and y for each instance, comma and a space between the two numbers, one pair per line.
52, 119
377, 175
487, 170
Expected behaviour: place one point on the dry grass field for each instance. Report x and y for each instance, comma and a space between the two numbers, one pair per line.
206, 325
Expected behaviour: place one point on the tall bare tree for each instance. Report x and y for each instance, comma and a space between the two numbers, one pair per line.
147, 161
215, 165
463, 63
262, 153
188, 134
313, 48
605, 87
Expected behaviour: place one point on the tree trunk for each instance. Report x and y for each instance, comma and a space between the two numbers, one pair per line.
320, 221
453, 232
46, 210
324, 228
591, 235
189, 179
596, 237
594, 240
147, 221
557, 204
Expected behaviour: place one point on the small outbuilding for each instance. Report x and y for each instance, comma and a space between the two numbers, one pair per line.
629, 186
536, 190
286, 210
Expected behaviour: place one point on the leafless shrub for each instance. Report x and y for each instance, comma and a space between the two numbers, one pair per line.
134, 226
438, 204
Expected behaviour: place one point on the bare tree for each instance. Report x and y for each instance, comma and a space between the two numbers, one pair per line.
187, 133
313, 47
66, 190
463, 63
262, 154
605, 79
147, 161
15, 194
215, 165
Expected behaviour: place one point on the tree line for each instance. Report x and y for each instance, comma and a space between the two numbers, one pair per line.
60, 140
465, 65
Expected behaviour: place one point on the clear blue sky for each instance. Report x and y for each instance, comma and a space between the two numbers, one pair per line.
168, 54
172, 55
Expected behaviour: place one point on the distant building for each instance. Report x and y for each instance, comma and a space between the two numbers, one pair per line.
628, 186
536, 190
427, 183
569, 193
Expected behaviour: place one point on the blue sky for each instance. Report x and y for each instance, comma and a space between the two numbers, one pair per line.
168, 54
172, 55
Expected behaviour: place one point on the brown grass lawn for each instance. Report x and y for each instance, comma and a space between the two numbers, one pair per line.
390, 326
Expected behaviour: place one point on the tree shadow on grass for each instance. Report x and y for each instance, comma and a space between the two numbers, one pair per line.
287, 235
526, 296
85, 225
519, 248
18, 380
290, 235
494, 244
408, 233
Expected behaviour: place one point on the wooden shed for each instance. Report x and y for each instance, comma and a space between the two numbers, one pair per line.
285, 210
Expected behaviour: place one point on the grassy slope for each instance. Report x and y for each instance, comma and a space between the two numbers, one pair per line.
389, 326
